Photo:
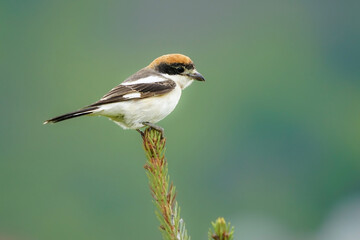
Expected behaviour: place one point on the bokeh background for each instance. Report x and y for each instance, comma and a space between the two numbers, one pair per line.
270, 141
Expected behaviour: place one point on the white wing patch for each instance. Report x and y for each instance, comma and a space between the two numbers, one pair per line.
132, 95
150, 79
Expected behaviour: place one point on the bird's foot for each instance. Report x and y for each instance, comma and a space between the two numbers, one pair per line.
141, 133
157, 128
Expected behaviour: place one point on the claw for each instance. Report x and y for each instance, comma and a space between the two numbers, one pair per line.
141, 133
157, 128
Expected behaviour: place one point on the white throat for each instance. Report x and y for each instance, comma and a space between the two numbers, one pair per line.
182, 81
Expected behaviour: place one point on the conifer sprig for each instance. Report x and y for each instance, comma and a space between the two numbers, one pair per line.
221, 230
163, 192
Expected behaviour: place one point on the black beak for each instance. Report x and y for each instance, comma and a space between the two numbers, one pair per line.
196, 76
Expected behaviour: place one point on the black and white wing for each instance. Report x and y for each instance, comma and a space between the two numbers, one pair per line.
139, 88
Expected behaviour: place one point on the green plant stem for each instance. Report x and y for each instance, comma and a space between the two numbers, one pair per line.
163, 192
221, 230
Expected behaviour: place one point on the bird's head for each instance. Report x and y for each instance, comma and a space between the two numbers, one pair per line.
177, 67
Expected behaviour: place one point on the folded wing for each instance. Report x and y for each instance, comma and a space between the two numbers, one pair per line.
136, 91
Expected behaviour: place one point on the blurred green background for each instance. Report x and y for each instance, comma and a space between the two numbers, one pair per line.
270, 141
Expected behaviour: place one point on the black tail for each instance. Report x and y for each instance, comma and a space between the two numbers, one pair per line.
81, 112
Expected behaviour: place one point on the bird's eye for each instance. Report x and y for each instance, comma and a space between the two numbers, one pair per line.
180, 69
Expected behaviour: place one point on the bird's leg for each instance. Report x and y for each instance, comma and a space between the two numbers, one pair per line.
141, 132
160, 129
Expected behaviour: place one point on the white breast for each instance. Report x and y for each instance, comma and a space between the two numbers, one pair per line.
131, 114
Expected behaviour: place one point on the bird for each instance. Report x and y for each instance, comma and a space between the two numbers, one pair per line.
145, 97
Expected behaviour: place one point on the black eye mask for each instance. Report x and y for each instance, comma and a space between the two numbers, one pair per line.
174, 68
